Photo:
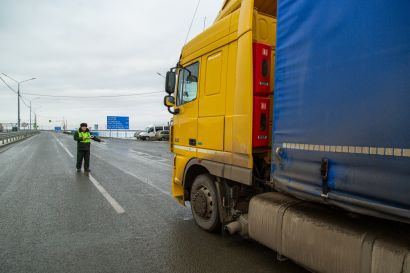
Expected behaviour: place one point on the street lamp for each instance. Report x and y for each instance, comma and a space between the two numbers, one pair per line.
30, 109
18, 97
35, 117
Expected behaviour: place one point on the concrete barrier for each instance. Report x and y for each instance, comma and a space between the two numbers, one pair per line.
8, 138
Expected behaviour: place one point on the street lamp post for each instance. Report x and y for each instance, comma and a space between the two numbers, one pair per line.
18, 97
35, 117
30, 109
30, 115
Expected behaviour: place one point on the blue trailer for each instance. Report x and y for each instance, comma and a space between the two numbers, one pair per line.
340, 137
341, 131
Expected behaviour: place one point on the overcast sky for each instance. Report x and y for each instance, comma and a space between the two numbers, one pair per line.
87, 48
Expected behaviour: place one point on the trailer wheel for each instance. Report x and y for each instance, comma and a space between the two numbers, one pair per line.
204, 203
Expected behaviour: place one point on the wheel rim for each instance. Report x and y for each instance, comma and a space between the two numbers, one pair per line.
202, 203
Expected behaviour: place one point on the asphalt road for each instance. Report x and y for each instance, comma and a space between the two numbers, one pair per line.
120, 219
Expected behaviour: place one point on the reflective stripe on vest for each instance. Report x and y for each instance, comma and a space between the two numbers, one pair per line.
87, 135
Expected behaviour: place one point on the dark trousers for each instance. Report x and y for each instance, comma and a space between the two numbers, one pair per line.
86, 155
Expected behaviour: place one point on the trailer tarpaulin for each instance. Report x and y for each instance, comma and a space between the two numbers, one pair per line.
341, 131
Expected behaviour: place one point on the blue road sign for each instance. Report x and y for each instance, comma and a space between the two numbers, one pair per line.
118, 123
57, 129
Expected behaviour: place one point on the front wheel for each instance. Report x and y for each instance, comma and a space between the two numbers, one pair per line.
204, 203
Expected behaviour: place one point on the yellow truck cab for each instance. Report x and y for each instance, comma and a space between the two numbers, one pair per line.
221, 95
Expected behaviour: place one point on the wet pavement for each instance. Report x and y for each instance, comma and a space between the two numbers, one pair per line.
53, 219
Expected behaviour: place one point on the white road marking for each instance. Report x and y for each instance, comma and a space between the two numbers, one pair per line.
117, 207
62, 145
145, 181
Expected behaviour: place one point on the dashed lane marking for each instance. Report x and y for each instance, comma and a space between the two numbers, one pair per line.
116, 206
62, 145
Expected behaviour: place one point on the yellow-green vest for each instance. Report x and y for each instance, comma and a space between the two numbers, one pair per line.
87, 135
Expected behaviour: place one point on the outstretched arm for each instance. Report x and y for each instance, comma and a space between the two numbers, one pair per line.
96, 139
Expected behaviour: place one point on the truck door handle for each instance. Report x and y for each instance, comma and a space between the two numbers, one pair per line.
192, 141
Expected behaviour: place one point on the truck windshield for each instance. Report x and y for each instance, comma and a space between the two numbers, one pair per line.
188, 84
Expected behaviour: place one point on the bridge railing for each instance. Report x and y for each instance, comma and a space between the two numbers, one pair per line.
10, 137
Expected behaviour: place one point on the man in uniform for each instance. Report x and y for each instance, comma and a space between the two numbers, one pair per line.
83, 138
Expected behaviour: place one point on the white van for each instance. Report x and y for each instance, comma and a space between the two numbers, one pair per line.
150, 132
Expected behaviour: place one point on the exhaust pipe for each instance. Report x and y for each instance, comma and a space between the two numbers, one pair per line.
239, 226
233, 227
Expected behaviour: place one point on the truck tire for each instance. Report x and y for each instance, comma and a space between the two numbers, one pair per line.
204, 203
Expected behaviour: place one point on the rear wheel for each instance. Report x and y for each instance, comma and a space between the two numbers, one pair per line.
204, 203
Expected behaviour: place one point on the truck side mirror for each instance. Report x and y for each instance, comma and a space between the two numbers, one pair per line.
169, 101
170, 80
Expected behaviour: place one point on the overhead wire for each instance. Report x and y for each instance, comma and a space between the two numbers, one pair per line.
192, 21
92, 97
24, 102
8, 85
80, 97
21, 97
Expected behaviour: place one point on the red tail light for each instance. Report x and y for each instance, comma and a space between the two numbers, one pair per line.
261, 90
261, 132
261, 69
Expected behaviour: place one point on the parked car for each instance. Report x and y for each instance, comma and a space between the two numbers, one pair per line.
150, 132
162, 135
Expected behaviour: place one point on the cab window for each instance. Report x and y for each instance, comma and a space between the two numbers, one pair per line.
188, 83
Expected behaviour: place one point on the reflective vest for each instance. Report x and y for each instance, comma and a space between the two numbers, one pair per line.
87, 135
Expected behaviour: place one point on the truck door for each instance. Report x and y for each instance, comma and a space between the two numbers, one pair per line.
186, 121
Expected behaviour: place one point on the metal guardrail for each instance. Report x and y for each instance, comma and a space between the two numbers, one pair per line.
7, 138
